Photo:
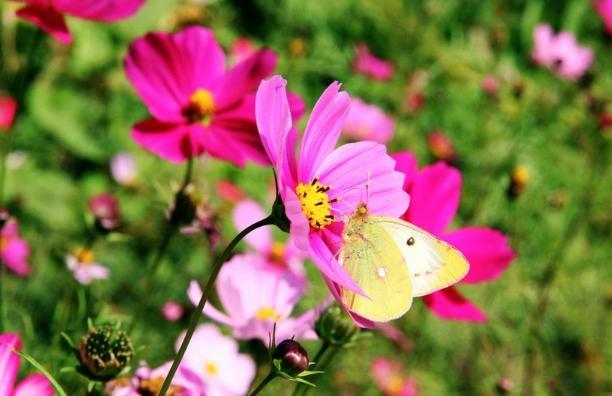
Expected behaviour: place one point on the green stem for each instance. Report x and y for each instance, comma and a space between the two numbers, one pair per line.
263, 383
300, 388
205, 296
6, 147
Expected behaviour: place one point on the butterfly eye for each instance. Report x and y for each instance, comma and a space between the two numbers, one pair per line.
410, 241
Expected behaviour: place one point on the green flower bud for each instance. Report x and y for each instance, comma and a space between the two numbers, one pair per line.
336, 327
104, 352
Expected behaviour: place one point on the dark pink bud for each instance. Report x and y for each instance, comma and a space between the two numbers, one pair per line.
442, 147
8, 108
293, 357
105, 209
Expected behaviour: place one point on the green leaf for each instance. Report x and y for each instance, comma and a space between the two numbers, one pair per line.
30, 359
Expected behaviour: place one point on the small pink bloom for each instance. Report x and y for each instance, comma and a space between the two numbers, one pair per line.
105, 209
604, 9
435, 191
368, 122
172, 311
14, 251
442, 147
369, 65
605, 120
213, 364
414, 102
388, 376
147, 381
33, 385
8, 108
490, 84
229, 191
49, 14
197, 105
323, 184
242, 48
255, 295
123, 169
85, 270
560, 53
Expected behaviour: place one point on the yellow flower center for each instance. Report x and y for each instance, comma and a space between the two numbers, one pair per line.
268, 313
4, 241
84, 256
201, 106
277, 253
152, 386
211, 368
396, 383
315, 202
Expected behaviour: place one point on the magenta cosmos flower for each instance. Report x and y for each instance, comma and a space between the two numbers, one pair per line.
49, 14
560, 53
14, 251
8, 109
368, 122
604, 9
434, 198
196, 104
33, 385
369, 65
323, 184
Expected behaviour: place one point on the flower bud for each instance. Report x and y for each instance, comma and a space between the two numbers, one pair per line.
504, 385
293, 357
104, 352
183, 209
280, 217
105, 209
8, 108
336, 327
442, 147
518, 181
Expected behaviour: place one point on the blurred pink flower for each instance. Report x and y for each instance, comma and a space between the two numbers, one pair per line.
435, 192
213, 365
147, 381
49, 14
604, 9
33, 385
229, 191
255, 295
490, 84
172, 311
85, 270
14, 251
197, 105
369, 65
368, 122
105, 209
560, 53
388, 376
123, 169
242, 48
442, 147
8, 109
324, 184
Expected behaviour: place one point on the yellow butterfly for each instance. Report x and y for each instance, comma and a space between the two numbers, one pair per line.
394, 261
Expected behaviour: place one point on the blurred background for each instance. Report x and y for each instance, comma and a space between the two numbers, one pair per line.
533, 149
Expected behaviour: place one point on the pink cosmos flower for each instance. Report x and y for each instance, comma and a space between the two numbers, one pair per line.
242, 48
213, 365
369, 65
14, 251
85, 270
560, 53
255, 295
196, 104
368, 122
8, 109
123, 169
33, 385
323, 184
49, 14
604, 9
172, 311
388, 376
435, 192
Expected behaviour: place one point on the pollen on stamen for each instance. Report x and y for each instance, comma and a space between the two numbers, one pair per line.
315, 203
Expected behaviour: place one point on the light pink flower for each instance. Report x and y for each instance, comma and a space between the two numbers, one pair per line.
213, 364
149, 382
369, 65
196, 104
33, 385
8, 108
368, 122
49, 14
85, 270
105, 209
388, 376
242, 48
490, 84
324, 184
172, 311
14, 251
560, 53
434, 198
123, 169
255, 295
604, 9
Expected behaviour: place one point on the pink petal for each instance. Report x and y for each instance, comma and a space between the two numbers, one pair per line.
48, 19
194, 292
8, 108
9, 362
34, 385
243, 78
299, 224
434, 197
449, 304
406, 163
368, 64
543, 52
363, 173
15, 255
368, 122
246, 213
100, 10
335, 291
172, 142
487, 251
323, 129
236, 143
166, 69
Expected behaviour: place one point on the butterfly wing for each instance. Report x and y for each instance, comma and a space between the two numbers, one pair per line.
433, 263
372, 259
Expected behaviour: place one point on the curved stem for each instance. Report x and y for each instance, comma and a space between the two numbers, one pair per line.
263, 383
299, 388
195, 317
